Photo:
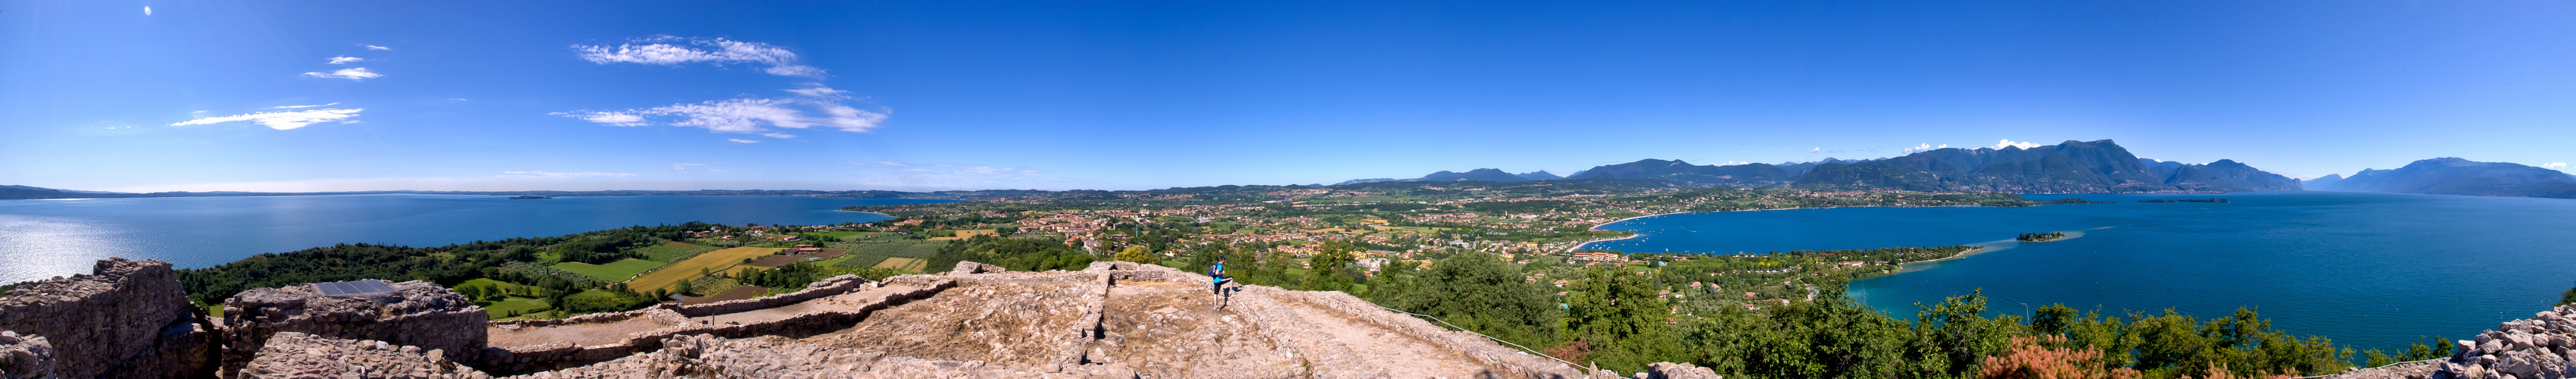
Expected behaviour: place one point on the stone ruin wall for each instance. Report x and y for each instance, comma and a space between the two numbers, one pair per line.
127, 319
418, 314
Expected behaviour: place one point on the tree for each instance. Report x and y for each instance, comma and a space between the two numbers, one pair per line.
1618, 313
1324, 271
1138, 254
1474, 291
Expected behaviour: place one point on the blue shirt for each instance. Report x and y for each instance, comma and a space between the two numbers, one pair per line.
1216, 273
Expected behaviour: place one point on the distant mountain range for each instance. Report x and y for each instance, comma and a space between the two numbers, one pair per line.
2070, 167
1482, 174
2455, 176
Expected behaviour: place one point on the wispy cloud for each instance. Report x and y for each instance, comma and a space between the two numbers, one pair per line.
1925, 147
2554, 166
302, 106
346, 60
1823, 151
750, 115
739, 140
2009, 143
282, 120
606, 118
346, 73
685, 166
561, 175
374, 47
673, 51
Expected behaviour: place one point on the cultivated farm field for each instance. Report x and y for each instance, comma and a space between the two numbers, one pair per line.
717, 261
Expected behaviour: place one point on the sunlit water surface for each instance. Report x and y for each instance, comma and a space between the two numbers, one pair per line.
46, 238
2367, 269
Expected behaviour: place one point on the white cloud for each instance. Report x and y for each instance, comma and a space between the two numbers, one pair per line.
608, 118
718, 51
346, 60
147, 11
2010, 143
2553, 166
374, 47
346, 73
561, 175
1924, 148
1823, 151
300, 106
739, 140
685, 166
751, 115
282, 120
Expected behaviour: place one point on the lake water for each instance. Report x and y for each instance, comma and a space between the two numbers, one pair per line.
2366, 269
46, 238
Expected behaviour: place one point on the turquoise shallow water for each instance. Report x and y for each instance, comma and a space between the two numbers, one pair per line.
46, 238
2366, 269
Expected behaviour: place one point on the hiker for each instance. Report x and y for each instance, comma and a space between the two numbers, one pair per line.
1216, 282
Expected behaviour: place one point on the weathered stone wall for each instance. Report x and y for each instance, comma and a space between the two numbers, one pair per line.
25, 357
127, 319
416, 314
299, 355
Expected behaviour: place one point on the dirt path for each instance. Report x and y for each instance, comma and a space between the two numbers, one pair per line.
577, 334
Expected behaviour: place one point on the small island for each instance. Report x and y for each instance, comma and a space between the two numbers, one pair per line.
530, 197
2071, 200
2040, 237
2184, 201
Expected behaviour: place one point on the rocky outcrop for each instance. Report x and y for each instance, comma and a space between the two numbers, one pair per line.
127, 319
25, 357
299, 355
415, 314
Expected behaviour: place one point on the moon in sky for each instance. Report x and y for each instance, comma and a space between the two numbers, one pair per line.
147, 10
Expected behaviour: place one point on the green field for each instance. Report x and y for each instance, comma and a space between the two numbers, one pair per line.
617, 271
673, 251
871, 254
836, 236
501, 309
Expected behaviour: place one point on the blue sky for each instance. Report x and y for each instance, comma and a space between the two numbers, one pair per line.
333, 96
